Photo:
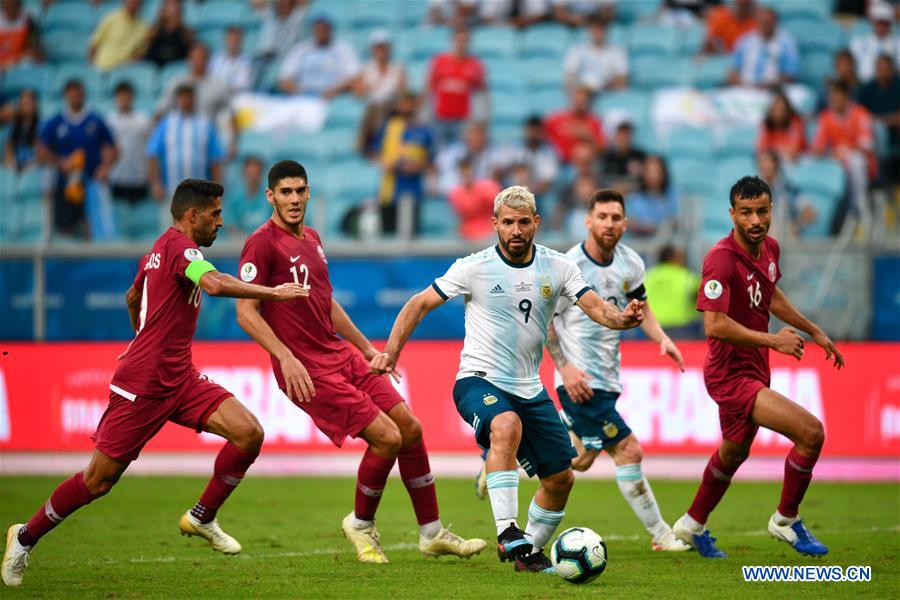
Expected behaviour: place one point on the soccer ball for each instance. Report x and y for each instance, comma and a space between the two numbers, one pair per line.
579, 555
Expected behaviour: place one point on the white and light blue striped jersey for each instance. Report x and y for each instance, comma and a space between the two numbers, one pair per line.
591, 347
508, 308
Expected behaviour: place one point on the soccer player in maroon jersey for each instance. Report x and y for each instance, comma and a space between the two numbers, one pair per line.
333, 383
156, 382
737, 294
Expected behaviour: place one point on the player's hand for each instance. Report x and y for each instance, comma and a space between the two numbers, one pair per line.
830, 350
576, 383
297, 382
289, 291
668, 348
383, 363
633, 314
788, 342
371, 354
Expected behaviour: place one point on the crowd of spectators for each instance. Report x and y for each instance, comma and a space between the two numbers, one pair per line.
435, 142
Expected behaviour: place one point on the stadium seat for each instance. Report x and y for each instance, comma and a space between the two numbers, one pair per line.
141, 75
413, 14
212, 37
811, 35
37, 77
429, 42
170, 72
689, 142
691, 176
653, 39
818, 175
255, 143
438, 219
692, 39
67, 46
738, 141
69, 16
652, 72
711, 71
542, 73
219, 14
729, 170
508, 108
546, 41
28, 185
493, 42
367, 15
417, 72
794, 9
505, 134
826, 207
81, 71
505, 74
545, 101
815, 67
636, 10
714, 217
635, 103
345, 111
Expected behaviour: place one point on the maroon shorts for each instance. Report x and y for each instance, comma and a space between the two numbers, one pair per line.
349, 399
127, 425
735, 398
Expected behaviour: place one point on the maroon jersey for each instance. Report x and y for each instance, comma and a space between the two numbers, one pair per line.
740, 286
159, 357
272, 256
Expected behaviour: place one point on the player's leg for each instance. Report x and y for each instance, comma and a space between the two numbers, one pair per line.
627, 454
774, 411
583, 427
415, 470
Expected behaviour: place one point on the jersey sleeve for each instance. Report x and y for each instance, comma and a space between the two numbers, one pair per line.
636, 289
454, 282
715, 282
574, 285
254, 264
184, 252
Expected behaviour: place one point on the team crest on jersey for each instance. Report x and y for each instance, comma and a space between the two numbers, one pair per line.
610, 429
248, 272
546, 289
490, 399
772, 271
712, 289
322, 253
193, 254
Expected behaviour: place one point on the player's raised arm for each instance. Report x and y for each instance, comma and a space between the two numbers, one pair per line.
785, 310
606, 314
409, 318
719, 326
216, 283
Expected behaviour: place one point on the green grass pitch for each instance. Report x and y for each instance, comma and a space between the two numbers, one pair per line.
126, 545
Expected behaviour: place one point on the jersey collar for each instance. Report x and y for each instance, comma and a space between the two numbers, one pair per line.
596, 262
517, 265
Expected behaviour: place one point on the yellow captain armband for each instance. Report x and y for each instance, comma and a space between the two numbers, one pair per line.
197, 268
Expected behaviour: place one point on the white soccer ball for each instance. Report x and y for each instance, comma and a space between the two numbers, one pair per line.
579, 555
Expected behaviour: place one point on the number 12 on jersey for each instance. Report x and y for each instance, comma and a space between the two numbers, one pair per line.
303, 269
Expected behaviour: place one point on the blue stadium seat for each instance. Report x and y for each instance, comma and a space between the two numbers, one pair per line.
219, 14
505, 74
438, 219
493, 42
28, 185
368, 15
7, 185
83, 71
824, 35
413, 14
632, 102
67, 46
429, 42
691, 176
714, 217
417, 74
142, 76
652, 72
729, 170
738, 141
144, 224
711, 71
546, 101
71, 16
692, 39
508, 108
254, 143
505, 134
815, 67
689, 142
345, 111
653, 39
542, 73
636, 10
545, 40
819, 176
213, 37
794, 9
171, 71
33, 76
826, 207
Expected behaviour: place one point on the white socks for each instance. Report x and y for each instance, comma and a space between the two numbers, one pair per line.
429, 530
692, 524
503, 490
636, 490
541, 525
783, 521
361, 524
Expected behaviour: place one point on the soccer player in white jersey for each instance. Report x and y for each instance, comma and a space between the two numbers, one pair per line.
511, 292
587, 361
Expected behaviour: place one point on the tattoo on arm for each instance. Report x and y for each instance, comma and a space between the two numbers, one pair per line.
554, 348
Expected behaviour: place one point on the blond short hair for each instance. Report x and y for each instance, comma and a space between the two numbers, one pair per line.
516, 197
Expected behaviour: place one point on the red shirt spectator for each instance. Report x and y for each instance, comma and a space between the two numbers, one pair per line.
18, 34
454, 76
473, 201
725, 24
841, 131
575, 124
788, 141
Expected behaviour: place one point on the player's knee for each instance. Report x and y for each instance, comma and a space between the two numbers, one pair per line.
561, 483
631, 453
506, 428
98, 484
411, 432
390, 441
734, 456
248, 436
815, 436
581, 463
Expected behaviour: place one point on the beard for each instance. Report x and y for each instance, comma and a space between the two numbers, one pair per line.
517, 251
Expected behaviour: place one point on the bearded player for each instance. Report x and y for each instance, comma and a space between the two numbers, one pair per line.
327, 378
738, 291
156, 382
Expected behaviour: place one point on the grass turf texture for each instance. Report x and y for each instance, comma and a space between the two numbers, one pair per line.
126, 545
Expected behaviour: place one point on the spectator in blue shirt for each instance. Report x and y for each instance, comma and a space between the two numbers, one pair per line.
767, 57
655, 204
78, 142
183, 145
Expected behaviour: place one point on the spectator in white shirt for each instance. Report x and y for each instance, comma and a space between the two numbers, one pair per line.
322, 66
766, 57
867, 48
595, 64
476, 145
535, 153
128, 176
230, 65
282, 27
380, 83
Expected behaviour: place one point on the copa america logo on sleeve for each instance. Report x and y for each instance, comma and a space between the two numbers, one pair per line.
193, 254
248, 272
712, 289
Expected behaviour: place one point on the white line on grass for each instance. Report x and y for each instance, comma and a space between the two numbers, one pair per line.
411, 546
